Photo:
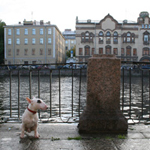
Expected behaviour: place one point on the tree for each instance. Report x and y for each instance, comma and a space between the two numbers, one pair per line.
68, 53
2, 24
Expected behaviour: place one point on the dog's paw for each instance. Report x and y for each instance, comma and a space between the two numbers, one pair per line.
21, 136
37, 136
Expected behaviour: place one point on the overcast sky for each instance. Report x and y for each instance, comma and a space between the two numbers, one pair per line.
63, 13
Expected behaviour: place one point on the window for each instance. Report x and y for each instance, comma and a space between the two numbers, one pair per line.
26, 52
25, 62
122, 51
49, 51
17, 41
41, 51
108, 49
33, 31
101, 36
41, 41
9, 41
9, 31
18, 52
93, 51
146, 38
146, 51
49, 31
87, 50
128, 37
17, 31
33, 41
128, 51
134, 52
41, 31
26, 31
26, 41
108, 37
100, 50
9, 52
115, 51
115, 38
72, 42
49, 40
80, 51
33, 51
87, 37
66, 42
33, 62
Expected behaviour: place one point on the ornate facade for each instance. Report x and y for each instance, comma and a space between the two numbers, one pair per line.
128, 40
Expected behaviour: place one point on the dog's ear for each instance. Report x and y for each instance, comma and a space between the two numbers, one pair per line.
28, 99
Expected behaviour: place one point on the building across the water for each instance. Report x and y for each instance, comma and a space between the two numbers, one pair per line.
33, 42
128, 40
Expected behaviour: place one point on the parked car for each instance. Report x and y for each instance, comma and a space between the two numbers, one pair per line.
12, 67
145, 67
66, 66
25, 67
43, 67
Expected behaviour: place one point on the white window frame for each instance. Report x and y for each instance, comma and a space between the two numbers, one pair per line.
49, 31
9, 41
41, 31
49, 41
26, 41
33, 40
17, 41
9, 31
17, 31
41, 41
33, 31
25, 31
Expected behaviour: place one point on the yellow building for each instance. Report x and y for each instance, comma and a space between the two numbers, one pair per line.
128, 40
33, 43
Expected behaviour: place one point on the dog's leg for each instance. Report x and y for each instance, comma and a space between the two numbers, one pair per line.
36, 134
22, 131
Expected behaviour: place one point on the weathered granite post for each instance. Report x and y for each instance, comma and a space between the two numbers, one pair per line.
102, 113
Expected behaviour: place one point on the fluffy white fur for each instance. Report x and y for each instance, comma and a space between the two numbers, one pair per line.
29, 119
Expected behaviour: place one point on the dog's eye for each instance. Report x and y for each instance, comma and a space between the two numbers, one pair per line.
38, 101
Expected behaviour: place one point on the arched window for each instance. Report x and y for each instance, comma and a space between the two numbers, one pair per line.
108, 37
115, 38
87, 37
101, 37
146, 51
128, 37
146, 38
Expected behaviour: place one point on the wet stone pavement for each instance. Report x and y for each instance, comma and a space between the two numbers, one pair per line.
58, 136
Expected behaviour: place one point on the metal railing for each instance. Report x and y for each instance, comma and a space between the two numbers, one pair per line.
134, 91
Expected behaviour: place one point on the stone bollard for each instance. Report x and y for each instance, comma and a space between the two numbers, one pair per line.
102, 113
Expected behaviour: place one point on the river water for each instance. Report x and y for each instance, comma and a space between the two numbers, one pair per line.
63, 104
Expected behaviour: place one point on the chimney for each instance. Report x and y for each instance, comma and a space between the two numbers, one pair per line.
41, 22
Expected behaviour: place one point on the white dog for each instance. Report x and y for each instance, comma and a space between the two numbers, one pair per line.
30, 117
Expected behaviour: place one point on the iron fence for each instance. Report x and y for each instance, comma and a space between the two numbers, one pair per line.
134, 91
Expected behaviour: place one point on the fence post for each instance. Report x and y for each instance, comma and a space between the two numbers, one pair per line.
102, 113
